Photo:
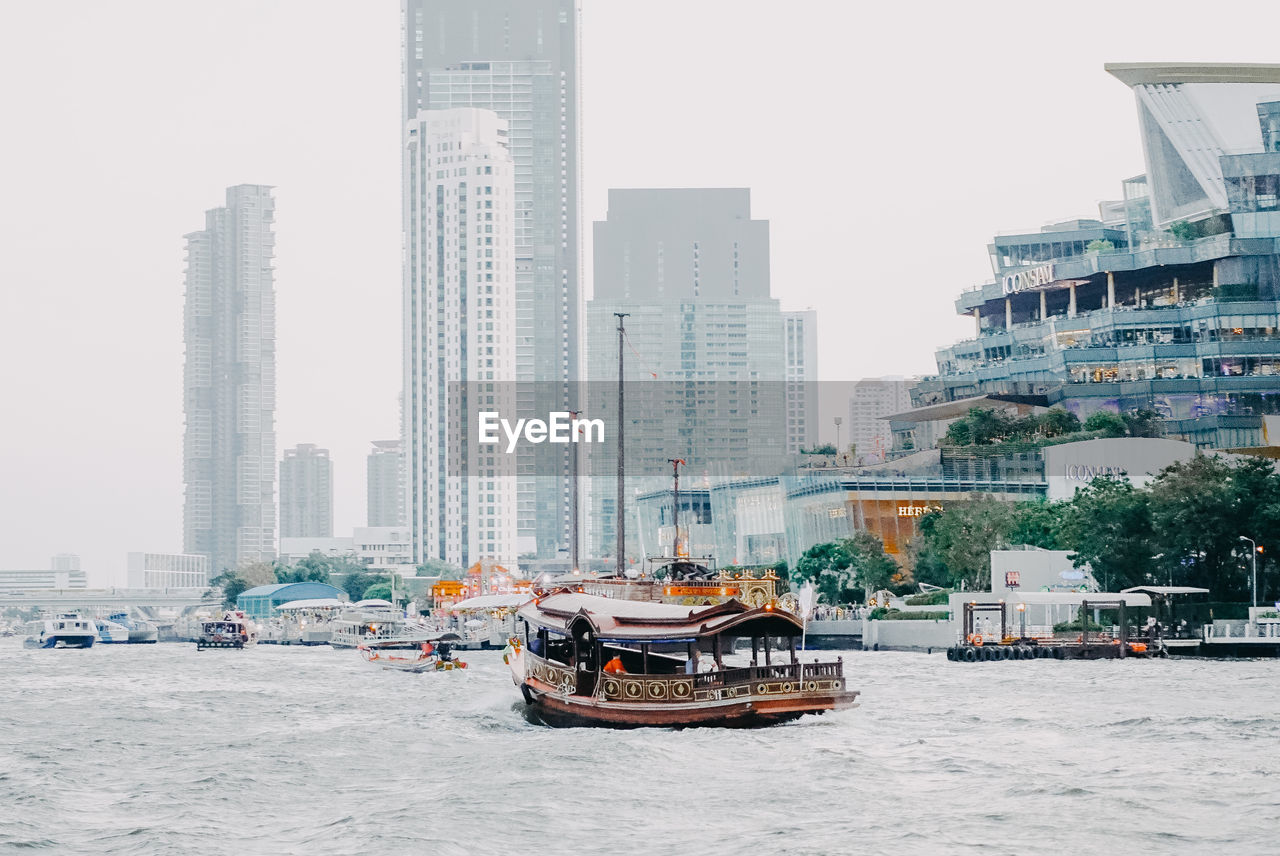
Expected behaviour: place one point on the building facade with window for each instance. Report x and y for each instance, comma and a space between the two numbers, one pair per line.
459, 313
800, 348
167, 570
306, 492
229, 383
1170, 301
384, 477
519, 58
705, 362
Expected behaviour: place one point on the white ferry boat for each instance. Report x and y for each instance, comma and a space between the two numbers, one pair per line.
66, 630
375, 621
111, 633
141, 632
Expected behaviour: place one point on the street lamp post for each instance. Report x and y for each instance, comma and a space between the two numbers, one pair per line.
1253, 551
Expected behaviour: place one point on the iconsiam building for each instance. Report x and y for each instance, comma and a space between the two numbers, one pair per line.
1170, 299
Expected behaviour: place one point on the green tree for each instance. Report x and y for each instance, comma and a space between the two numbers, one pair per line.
355, 584
1108, 526
257, 573
1144, 423
872, 568
1257, 487
1110, 424
829, 567
1183, 231
989, 426
1199, 510
316, 567
1058, 421
1038, 523
232, 586
961, 537
442, 569
1099, 245
378, 591
959, 433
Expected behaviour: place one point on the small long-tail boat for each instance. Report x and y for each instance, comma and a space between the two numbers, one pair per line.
580, 659
434, 653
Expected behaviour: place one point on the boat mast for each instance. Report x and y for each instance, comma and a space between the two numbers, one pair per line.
675, 514
619, 516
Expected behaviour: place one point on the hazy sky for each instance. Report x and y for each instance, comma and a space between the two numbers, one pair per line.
885, 143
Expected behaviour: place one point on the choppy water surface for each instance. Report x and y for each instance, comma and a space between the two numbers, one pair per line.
160, 749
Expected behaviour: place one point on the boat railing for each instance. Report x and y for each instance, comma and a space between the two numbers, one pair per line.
774, 672
772, 678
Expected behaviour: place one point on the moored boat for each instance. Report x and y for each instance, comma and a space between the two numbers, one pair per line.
375, 621
65, 630
433, 654
233, 630
580, 659
111, 632
140, 631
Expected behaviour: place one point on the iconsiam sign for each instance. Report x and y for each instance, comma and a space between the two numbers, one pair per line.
1032, 278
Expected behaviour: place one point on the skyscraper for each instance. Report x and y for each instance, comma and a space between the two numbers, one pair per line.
459, 312
800, 344
519, 58
385, 484
306, 493
691, 269
229, 381
873, 399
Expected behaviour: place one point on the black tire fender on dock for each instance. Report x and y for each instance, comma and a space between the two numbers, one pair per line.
1059, 654
951, 654
970, 655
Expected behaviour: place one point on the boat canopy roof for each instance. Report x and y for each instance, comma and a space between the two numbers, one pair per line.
1166, 590
313, 603
492, 601
377, 601
612, 619
411, 639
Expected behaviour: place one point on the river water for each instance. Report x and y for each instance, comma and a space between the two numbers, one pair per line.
159, 749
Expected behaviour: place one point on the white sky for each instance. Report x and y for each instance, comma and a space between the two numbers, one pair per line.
886, 143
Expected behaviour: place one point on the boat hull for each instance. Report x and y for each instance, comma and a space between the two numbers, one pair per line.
201, 644
65, 641
552, 706
574, 711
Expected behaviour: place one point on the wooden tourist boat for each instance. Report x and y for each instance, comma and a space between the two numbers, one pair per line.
433, 654
580, 659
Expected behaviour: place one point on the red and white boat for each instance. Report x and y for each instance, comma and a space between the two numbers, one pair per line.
434, 653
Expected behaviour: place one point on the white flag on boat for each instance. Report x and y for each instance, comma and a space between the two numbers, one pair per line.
806, 600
